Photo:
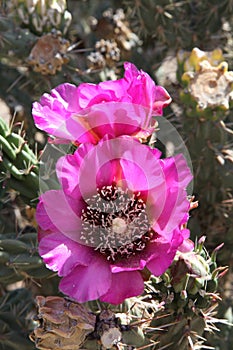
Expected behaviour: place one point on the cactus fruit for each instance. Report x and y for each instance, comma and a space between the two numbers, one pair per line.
209, 86
190, 61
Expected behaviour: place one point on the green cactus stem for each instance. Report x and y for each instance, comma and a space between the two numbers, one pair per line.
19, 166
188, 290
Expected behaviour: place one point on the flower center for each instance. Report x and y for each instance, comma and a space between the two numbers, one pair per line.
115, 222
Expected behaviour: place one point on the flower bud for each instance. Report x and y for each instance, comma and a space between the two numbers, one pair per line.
189, 273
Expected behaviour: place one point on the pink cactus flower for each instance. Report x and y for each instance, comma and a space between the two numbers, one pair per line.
88, 112
120, 209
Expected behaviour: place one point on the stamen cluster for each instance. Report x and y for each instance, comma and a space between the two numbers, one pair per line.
115, 222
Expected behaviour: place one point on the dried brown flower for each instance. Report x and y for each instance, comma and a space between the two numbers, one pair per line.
63, 324
120, 30
116, 39
49, 54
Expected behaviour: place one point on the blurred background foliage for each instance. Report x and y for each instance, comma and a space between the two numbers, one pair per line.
186, 46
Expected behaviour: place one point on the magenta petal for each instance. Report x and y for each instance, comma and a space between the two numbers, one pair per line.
87, 112
53, 113
57, 124
61, 254
67, 170
86, 283
143, 90
91, 94
162, 100
124, 285
173, 211
142, 174
114, 119
186, 246
175, 205
60, 214
42, 217
137, 262
160, 263
140, 165
74, 173
108, 173
163, 252
123, 160
66, 96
